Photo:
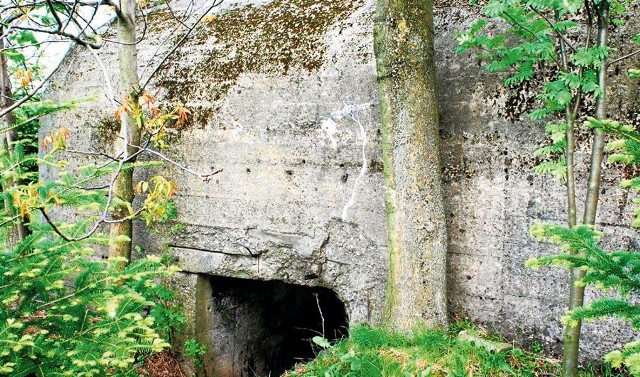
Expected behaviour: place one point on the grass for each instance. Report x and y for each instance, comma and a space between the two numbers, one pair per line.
371, 352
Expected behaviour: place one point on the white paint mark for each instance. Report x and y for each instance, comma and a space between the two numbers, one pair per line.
363, 169
330, 127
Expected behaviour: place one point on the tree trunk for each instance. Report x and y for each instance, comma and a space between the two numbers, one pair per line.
129, 131
17, 232
416, 287
571, 345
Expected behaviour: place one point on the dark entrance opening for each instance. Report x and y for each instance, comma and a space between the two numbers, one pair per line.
262, 328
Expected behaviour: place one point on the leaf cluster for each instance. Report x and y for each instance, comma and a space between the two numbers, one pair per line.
536, 41
625, 149
552, 43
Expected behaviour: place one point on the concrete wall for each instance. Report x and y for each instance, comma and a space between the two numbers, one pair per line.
284, 99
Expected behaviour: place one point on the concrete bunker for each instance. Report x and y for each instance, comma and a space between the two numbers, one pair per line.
265, 327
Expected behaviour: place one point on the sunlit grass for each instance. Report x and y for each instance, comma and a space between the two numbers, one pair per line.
371, 352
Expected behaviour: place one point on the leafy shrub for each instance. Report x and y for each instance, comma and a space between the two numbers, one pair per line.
64, 311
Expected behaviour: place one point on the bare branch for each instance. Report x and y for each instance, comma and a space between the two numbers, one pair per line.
10, 220
204, 176
55, 15
627, 56
107, 80
94, 154
74, 38
33, 44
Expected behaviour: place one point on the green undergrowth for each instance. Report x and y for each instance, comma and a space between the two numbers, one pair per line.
371, 352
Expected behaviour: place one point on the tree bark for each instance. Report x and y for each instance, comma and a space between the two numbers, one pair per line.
571, 344
129, 131
17, 232
417, 234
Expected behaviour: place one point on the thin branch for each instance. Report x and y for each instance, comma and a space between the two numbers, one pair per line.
204, 176
55, 15
516, 23
105, 76
70, 36
57, 230
71, 12
34, 44
170, 35
554, 28
10, 220
101, 220
627, 56
87, 22
94, 154
139, 40
321, 316
28, 96
127, 218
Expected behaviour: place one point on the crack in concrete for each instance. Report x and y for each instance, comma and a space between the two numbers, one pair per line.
251, 254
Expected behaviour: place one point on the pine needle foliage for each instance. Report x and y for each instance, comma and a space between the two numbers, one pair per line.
616, 271
63, 311
63, 314
624, 149
611, 272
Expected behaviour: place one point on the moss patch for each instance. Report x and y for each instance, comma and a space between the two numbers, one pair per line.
272, 40
106, 131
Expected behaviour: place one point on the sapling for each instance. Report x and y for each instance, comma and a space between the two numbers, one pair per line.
565, 46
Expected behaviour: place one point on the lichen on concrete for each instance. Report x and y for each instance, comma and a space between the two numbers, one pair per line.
272, 40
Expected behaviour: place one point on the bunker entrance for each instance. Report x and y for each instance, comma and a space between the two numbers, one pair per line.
264, 327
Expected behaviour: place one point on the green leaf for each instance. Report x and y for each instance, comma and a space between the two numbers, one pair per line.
14, 56
573, 6
585, 58
495, 8
571, 79
321, 341
563, 26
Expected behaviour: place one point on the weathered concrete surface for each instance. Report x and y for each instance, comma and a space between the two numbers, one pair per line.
493, 198
284, 100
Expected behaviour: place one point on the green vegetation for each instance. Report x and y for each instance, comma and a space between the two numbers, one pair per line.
374, 352
62, 312
195, 351
564, 48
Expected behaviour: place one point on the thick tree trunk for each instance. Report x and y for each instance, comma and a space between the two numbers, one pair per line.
129, 131
416, 288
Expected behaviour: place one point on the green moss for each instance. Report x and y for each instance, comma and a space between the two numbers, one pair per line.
105, 131
271, 40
